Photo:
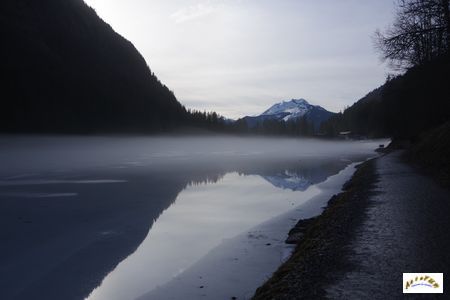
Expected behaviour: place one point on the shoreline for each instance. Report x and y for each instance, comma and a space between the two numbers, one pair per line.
321, 241
261, 249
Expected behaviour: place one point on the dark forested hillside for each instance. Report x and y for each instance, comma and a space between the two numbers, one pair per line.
404, 107
65, 70
418, 42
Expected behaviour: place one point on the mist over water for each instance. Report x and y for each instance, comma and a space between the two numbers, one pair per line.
85, 213
58, 153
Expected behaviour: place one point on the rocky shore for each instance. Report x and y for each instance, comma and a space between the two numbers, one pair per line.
390, 219
321, 242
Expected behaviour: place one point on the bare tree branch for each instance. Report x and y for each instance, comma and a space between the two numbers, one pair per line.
420, 33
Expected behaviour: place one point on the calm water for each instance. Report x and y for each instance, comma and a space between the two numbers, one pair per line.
157, 218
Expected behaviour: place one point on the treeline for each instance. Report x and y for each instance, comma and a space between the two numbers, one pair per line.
213, 122
403, 107
298, 127
409, 104
206, 120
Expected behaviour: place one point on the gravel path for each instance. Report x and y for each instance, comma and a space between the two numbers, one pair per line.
389, 220
406, 231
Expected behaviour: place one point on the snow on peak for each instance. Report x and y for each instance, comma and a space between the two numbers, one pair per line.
298, 101
293, 109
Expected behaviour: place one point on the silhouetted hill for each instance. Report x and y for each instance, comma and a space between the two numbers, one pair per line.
402, 108
66, 70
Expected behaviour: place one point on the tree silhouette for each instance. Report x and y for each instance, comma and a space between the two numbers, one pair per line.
420, 33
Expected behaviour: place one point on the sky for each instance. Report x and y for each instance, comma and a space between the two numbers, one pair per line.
238, 57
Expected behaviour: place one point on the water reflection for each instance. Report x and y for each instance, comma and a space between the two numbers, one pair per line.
208, 211
65, 228
59, 247
201, 218
66, 245
299, 175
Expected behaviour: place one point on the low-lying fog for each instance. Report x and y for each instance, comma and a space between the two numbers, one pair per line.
56, 153
118, 217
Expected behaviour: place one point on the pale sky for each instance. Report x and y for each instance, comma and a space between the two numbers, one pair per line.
238, 57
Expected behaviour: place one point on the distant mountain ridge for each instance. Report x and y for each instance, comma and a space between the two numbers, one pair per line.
291, 110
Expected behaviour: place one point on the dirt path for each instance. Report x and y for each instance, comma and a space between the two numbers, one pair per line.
390, 220
406, 231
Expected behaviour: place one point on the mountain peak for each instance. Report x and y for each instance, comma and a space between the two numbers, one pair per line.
293, 109
298, 101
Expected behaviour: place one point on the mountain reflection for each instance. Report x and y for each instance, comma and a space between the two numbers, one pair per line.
302, 177
70, 211
63, 247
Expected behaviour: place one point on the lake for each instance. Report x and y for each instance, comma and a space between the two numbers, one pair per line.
109, 218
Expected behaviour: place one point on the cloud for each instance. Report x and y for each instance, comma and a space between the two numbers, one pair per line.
193, 12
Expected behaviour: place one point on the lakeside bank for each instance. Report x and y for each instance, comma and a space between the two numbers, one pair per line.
319, 251
388, 220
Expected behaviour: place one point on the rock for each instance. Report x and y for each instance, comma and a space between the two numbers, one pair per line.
294, 238
297, 233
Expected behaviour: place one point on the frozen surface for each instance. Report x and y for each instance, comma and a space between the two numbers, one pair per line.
85, 213
237, 266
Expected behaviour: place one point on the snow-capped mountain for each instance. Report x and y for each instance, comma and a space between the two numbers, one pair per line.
292, 110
